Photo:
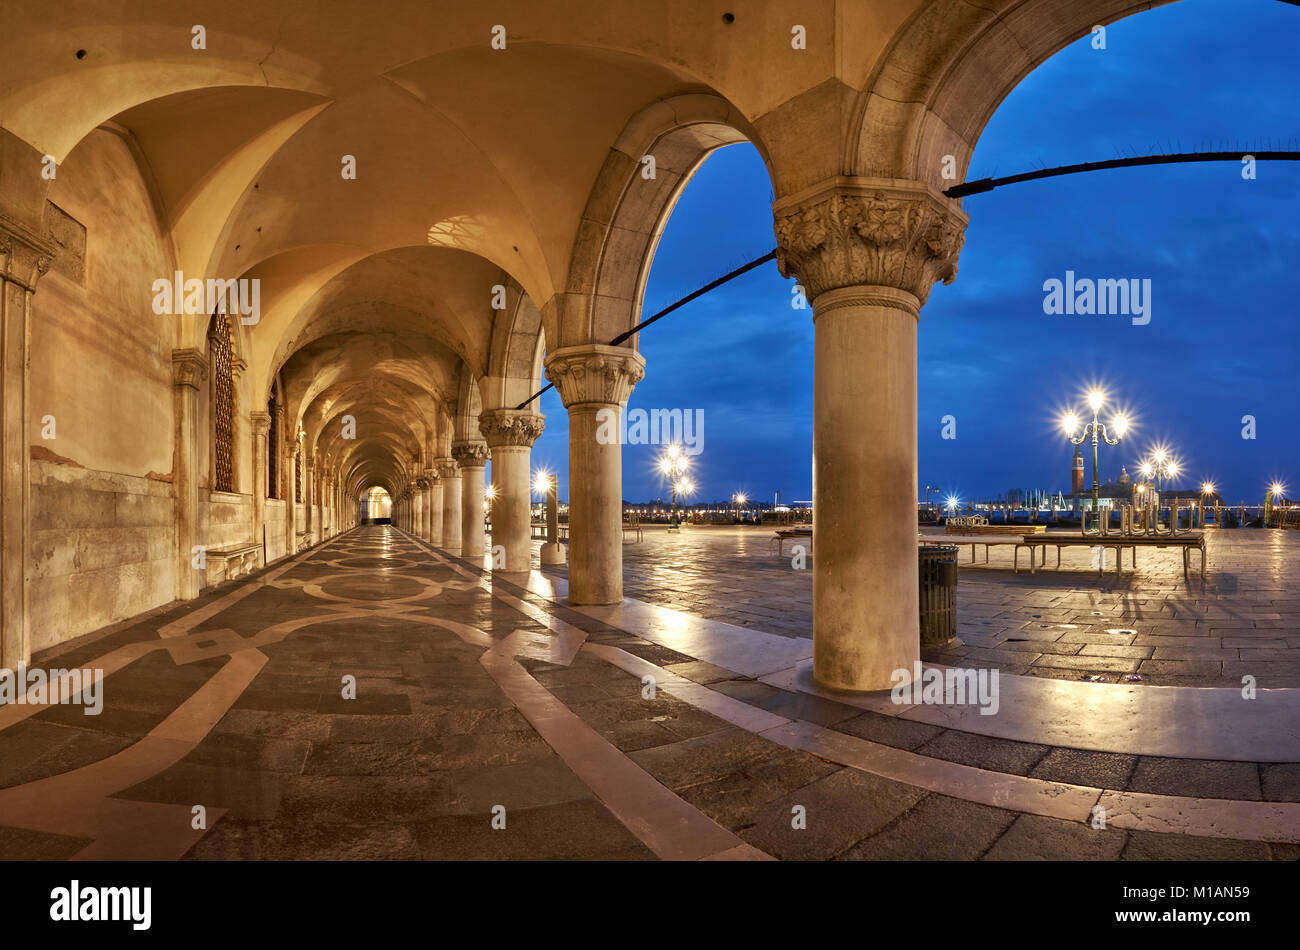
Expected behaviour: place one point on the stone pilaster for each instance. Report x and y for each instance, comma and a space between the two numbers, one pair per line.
472, 457
189, 371
594, 383
867, 252
260, 423
24, 257
510, 434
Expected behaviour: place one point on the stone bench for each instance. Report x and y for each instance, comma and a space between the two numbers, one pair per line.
236, 561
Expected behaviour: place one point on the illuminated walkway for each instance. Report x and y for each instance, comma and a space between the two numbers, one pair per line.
477, 699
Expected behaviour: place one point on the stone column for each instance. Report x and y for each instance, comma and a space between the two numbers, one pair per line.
309, 493
866, 252
449, 478
290, 498
432, 507
472, 458
510, 434
189, 370
24, 257
419, 504
594, 383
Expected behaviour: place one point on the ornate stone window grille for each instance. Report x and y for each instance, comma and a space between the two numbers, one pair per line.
222, 347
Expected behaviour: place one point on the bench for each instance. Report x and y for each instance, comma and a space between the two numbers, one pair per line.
974, 540
1188, 542
1011, 529
237, 561
783, 535
539, 531
632, 523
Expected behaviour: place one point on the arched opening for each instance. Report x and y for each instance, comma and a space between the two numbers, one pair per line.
376, 506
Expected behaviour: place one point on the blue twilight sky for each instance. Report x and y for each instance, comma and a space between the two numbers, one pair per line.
1220, 252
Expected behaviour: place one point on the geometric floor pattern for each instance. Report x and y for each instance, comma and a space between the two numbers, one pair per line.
376, 699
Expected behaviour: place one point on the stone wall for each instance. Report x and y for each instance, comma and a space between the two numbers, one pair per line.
101, 549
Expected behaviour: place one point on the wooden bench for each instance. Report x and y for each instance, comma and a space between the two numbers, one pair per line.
237, 561
1194, 540
783, 535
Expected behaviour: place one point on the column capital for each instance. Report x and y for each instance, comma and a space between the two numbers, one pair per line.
260, 421
189, 368
421, 483
470, 454
447, 468
594, 374
24, 254
868, 232
291, 448
505, 427
431, 476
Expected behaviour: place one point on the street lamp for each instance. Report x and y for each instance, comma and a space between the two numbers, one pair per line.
1097, 431
674, 464
737, 500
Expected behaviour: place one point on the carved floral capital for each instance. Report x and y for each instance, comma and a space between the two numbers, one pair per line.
447, 468
503, 427
471, 454
189, 368
594, 374
855, 232
24, 255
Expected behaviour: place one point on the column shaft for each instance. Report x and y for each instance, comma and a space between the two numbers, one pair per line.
865, 595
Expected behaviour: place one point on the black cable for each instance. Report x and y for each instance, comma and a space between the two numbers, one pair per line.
988, 184
744, 268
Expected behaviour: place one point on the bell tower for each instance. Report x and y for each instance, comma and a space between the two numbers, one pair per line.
1076, 473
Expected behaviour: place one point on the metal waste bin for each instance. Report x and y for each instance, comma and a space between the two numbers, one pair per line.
938, 577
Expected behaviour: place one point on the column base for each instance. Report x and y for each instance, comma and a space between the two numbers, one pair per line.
553, 553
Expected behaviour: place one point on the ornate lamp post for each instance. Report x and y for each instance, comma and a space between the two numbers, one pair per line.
674, 464
1097, 431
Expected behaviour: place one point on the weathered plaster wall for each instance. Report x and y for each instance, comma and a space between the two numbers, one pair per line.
102, 509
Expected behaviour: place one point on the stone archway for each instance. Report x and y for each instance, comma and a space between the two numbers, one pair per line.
646, 171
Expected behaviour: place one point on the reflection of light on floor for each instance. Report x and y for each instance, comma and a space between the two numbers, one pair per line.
541, 584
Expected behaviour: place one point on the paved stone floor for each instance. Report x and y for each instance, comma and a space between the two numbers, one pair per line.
1242, 617
477, 700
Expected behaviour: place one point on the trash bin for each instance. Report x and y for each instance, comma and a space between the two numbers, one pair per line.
938, 577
